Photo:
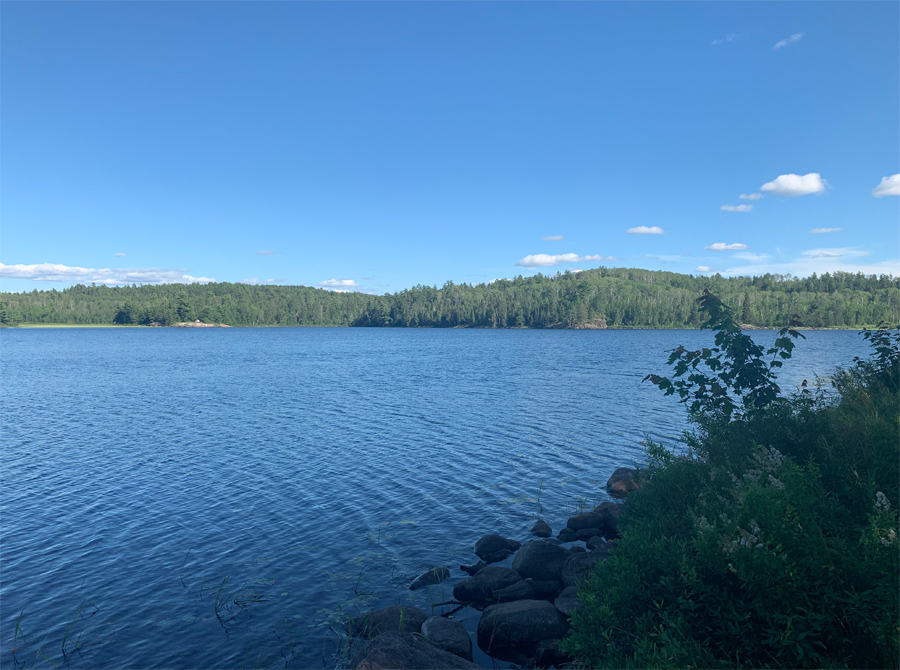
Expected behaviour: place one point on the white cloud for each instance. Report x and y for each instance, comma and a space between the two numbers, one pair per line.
120, 255
755, 258
721, 246
705, 268
646, 230
887, 186
338, 284
844, 259
553, 238
548, 260
751, 196
722, 40
795, 184
818, 231
267, 253
796, 37
74, 274
736, 208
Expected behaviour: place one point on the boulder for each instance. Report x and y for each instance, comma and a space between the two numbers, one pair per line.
404, 650
542, 529
568, 605
624, 481
585, 520
551, 540
493, 548
473, 569
481, 587
402, 618
586, 534
434, 576
569, 592
595, 543
543, 588
540, 560
520, 624
567, 535
449, 635
548, 653
601, 549
610, 512
579, 567
577, 548
518, 591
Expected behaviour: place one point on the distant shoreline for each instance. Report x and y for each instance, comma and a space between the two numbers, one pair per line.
117, 325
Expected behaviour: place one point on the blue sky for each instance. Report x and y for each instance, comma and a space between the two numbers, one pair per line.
372, 147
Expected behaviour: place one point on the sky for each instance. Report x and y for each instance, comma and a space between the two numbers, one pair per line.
376, 146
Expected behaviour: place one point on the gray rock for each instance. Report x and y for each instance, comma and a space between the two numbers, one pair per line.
624, 481
610, 512
548, 653
577, 548
551, 540
473, 569
540, 560
568, 605
602, 549
586, 534
542, 529
596, 543
579, 567
493, 548
481, 587
584, 520
569, 592
394, 650
543, 588
519, 624
434, 576
402, 618
518, 591
449, 635
567, 535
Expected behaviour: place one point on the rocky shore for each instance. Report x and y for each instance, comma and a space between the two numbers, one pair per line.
525, 608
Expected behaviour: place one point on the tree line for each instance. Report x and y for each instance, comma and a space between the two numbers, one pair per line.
611, 297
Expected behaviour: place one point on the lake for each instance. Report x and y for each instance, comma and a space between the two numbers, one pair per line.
222, 498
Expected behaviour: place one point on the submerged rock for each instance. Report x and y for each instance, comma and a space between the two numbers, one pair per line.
624, 481
520, 624
393, 650
540, 560
493, 548
434, 576
473, 569
402, 618
449, 635
481, 587
542, 529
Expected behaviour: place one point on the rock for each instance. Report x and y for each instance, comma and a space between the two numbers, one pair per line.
493, 548
481, 587
577, 548
518, 591
602, 549
394, 650
586, 534
542, 529
388, 619
540, 560
473, 569
579, 567
548, 653
569, 592
544, 588
449, 635
585, 520
551, 540
568, 605
610, 512
434, 576
624, 481
567, 535
519, 624
596, 543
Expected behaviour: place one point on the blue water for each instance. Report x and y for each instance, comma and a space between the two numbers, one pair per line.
299, 474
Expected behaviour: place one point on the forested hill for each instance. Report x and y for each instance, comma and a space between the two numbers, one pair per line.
620, 297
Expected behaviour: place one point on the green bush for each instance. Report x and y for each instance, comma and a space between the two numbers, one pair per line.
771, 543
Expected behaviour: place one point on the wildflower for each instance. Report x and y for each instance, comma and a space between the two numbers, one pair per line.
881, 503
777, 483
889, 540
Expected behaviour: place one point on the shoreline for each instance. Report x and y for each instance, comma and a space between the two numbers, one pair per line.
222, 325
